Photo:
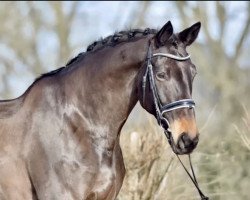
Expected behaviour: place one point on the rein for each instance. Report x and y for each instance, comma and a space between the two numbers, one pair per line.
161, 109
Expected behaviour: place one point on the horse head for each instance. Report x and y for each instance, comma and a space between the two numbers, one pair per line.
165, 85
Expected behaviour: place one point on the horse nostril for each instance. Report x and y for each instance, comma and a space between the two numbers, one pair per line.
182, 141
185, 142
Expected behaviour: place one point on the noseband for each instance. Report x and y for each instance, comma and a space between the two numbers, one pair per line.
159, 108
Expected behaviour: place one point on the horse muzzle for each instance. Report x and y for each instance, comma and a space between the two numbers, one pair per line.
185, 144
182, 135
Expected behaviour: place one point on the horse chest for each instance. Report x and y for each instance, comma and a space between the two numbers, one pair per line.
110, 175
104, 183
93, 174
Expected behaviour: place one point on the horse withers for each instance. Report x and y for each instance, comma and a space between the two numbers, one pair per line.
60, 139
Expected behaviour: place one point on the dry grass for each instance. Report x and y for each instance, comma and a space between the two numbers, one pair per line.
152, 170
244, 131
154, 173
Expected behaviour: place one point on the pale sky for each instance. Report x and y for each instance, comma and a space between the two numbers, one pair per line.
100, 19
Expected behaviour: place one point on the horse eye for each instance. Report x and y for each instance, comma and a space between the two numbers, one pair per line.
161, 75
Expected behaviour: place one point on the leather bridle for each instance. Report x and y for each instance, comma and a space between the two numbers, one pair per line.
161, 109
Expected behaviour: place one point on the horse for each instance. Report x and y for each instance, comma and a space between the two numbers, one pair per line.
60, 138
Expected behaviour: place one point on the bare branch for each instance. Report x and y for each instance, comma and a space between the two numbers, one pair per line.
221, 13
73, 11
6, 93
141, 15
242, 37
136, 18
62, 30
180, 6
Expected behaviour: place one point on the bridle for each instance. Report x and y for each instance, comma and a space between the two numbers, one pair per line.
161, 109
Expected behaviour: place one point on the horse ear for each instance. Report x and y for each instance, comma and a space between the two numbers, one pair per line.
164, 34
189, 35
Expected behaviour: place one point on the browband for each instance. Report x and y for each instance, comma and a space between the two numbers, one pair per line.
171, 56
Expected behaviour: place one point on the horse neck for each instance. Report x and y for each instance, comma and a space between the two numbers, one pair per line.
104, 84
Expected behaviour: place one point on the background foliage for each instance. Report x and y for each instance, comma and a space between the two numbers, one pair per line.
36, 37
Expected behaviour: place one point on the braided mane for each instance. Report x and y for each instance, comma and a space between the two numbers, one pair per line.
112, 40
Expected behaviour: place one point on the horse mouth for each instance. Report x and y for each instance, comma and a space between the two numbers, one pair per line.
182, 151
176, 148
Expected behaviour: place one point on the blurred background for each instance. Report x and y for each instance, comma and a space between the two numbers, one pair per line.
36, 37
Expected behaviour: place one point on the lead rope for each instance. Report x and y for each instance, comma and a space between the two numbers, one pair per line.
193, 179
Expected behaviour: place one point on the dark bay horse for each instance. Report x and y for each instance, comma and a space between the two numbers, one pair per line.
60, 139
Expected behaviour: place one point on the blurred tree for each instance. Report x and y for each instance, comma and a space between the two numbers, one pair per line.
221, 87
223, 83
39, 36
24, 28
